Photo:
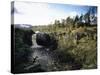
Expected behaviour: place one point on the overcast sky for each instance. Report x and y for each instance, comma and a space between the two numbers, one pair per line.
44, 13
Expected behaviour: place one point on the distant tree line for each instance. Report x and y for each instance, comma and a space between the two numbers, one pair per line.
87, 19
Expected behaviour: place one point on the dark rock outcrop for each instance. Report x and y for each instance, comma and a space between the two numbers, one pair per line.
22, 47
46, 40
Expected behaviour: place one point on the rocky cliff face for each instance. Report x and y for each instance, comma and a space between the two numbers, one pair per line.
22, 47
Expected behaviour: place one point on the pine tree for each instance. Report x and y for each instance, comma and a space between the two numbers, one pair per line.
57, 23
63, 23
76, 19
69, 21
87, 17
81, 18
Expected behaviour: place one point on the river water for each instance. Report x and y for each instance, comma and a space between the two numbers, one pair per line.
45, 56
50, 60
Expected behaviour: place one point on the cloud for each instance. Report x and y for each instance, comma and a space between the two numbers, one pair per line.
37, 13
73, 14
33, 13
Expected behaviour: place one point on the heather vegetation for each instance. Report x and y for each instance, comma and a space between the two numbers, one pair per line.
77, 41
